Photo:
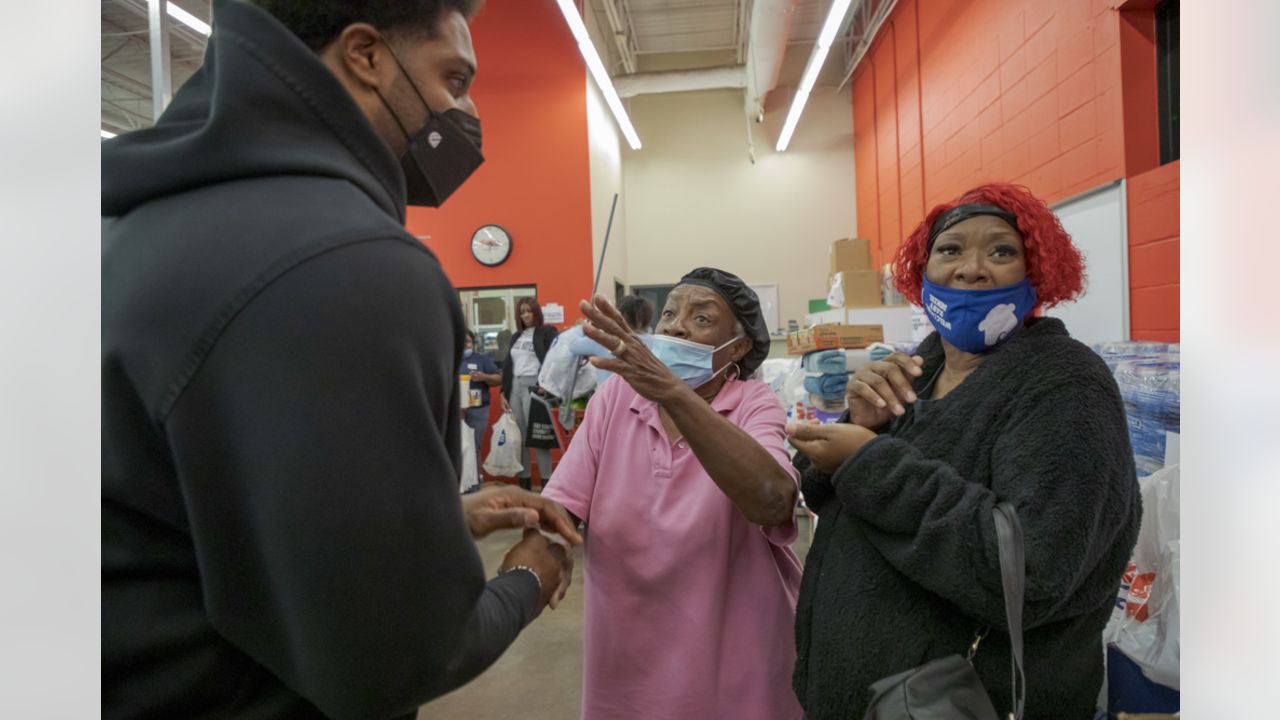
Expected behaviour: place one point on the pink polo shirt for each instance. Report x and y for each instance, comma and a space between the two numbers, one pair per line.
690, 607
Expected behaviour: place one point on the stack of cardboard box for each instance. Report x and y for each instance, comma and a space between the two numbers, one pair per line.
851, 260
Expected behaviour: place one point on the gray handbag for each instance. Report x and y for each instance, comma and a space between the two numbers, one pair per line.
949, 688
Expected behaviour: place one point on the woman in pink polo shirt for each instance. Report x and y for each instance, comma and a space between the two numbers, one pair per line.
680, 475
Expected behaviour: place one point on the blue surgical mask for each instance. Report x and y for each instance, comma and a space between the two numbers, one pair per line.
468, 352
690, 361
976, 321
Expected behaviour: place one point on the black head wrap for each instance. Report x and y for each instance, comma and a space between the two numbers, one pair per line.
745, 305
960, 213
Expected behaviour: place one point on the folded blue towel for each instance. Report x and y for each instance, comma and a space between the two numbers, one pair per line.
880, 351
828, 387
827, 362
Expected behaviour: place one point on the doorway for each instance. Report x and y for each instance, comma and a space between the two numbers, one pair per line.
656, 294
491, 314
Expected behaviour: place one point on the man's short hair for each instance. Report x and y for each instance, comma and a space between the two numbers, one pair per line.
319, 22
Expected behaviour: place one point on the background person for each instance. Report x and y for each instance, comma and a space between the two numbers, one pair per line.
904, 566
484, 375
520, 376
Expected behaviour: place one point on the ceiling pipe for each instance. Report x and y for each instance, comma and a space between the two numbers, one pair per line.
681, 81
766, 47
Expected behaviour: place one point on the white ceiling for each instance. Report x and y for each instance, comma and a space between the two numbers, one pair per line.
677, 26
658, 28
126, 59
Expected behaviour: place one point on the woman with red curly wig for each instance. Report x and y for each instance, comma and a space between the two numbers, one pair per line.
999, 404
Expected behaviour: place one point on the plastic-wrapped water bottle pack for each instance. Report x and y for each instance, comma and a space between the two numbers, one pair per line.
1114, 352
1149, 378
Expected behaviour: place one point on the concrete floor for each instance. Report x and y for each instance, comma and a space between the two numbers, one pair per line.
540, 675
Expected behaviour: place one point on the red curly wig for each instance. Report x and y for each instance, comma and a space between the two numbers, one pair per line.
1054, 265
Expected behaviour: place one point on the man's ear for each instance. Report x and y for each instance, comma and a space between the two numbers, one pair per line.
363, 55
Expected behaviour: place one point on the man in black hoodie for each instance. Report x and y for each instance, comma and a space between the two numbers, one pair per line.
281, 530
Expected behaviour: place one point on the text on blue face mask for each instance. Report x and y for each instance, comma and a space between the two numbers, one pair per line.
938, 310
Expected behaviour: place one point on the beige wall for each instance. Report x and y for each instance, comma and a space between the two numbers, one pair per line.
693, 197
607, 148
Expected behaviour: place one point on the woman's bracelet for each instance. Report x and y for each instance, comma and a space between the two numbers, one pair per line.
527, 569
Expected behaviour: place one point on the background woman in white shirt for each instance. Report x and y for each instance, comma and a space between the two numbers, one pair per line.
520, 375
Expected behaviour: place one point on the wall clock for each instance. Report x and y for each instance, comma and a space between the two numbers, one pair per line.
491, 245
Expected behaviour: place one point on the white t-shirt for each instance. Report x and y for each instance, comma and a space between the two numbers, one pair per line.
525, 360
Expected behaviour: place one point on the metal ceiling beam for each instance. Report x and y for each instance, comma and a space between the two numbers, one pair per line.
865, 34
161, 76
716, 48
681, 81
141, 9
131, 84
129, 114
623, 35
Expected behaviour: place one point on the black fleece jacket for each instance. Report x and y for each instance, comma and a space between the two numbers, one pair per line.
904, 566
281, 530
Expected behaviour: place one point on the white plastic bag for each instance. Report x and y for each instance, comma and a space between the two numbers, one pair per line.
470, 476
1145, 624
559, 366
835, 298
504, 448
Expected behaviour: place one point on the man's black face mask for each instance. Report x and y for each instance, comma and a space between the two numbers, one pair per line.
441, 155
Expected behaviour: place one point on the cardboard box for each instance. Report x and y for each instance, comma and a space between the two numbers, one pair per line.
861, 288
830, 337
850, 255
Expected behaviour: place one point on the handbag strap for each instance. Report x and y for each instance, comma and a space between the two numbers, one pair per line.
1013, 576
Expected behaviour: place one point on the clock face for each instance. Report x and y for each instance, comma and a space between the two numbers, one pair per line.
491, 245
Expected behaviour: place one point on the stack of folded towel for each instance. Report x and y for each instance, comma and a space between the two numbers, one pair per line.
827, 371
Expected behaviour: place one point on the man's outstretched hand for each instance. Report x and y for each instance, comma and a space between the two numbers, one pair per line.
506, 506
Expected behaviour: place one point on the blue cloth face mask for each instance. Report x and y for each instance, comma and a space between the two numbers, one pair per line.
690, 361
976, 321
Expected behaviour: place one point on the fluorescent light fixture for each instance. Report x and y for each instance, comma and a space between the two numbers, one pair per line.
188, 19
596, 66
107, 134
816, 58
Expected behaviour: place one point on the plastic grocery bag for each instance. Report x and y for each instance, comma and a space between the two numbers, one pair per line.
504, 448
835, 298
470, 476
561, 365
1145, 624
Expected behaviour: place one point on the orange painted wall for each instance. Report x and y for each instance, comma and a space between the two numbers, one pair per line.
535, 182
1154, 237
1057, 95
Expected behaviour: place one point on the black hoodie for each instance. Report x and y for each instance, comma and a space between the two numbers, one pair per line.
281, 530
